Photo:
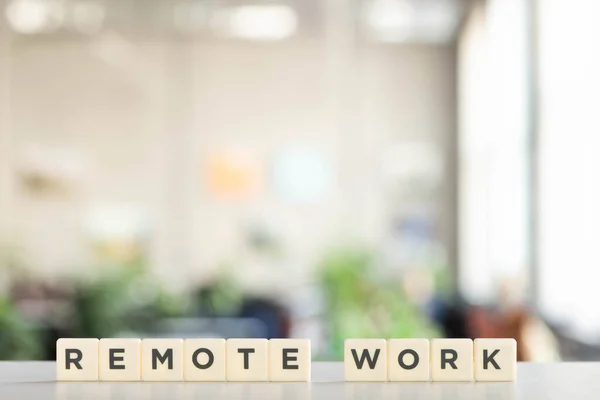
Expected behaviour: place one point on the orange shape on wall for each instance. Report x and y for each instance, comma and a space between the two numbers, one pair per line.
233, 174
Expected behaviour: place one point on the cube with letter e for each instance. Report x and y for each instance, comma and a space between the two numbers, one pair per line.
289, 360
119, 360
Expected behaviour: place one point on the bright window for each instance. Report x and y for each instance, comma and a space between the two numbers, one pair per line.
493, 141
570, 163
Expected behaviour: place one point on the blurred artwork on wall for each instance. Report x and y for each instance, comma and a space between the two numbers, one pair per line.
302, 174
413, 242
414, 169
56, 171
233, 173
118, 234
414, 174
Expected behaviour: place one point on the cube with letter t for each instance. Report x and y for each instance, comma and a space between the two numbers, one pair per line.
365, 360
247, 360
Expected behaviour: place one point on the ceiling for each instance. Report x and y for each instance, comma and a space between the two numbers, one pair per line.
391, 21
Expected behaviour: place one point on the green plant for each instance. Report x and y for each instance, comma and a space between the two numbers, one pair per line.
18, 338
360, 303
102, 304
223, 297
123, 299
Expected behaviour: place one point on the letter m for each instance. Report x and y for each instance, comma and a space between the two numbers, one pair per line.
157, 357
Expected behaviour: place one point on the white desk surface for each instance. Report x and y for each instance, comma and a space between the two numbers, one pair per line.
559, 381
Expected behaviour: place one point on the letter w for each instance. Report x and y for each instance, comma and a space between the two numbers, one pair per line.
365, 355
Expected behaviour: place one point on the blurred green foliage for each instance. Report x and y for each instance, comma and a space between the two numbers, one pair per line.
18, 338
362, 304
122, 299
223, 297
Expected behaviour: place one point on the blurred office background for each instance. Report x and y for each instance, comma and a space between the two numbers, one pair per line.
302, 168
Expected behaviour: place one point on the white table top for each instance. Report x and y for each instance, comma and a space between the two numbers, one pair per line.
560, 381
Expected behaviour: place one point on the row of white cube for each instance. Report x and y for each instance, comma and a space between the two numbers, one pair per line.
190, 360
441, 360
282, 360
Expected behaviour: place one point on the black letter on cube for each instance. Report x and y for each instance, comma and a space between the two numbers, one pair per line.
365, 356
246, 353
156, 356
489, 359
76, 360
415, 359
287, 358
112, 358
449, 360
211, 358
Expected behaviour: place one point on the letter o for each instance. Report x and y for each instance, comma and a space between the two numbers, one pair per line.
211, 358
415, 359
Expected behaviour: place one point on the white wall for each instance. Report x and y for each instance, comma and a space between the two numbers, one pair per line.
145, 119
6, 176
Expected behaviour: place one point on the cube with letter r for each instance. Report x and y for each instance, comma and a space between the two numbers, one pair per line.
77, 359
451, 360
495, 360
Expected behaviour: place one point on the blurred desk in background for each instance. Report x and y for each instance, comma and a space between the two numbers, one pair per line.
212, 327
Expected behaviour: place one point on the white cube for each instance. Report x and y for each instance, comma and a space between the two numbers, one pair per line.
120, 360
77, 359
408, 360
204, 360
495, 360
289, 360
452, 360
247, 360
365, 360
162, 360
